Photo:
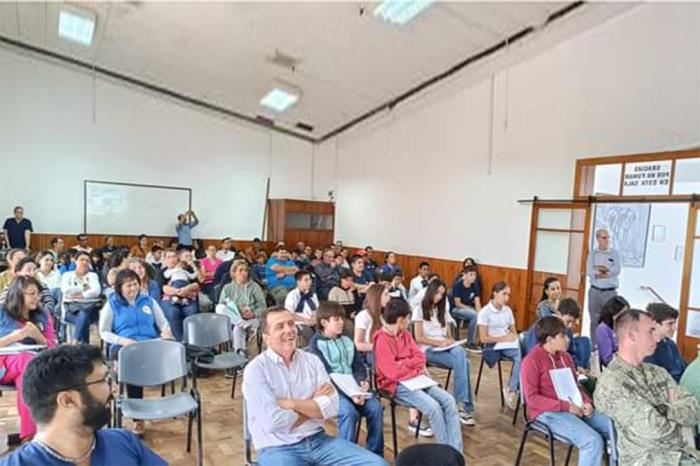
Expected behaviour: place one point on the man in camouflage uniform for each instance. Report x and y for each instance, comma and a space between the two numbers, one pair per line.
648, 407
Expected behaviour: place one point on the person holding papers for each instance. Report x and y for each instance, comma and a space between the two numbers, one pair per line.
339, 356
433, 330
400, 368
554, 396
500, 338
23, 321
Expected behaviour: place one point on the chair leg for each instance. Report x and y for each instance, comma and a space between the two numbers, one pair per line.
194, 374
190, 418
521, 447
233, 385
447, 381
551, 451
517, 410
393, 429
478, 377
200, 444
500, 385
568, 454
172, 387
357, 430
162, 390
420, 418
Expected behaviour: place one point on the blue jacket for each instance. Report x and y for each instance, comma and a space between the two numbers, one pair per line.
668, 357
134, 321
8, 324
338, 352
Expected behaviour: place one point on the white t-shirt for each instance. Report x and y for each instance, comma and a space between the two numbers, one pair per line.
363, 320
418, 299
497, 322
432, 328
225, 255
292, 301
416, 286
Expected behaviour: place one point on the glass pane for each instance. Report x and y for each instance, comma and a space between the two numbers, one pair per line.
694, 297
687, 177
607, 179
573, 277
564, 219
697, 223
303, 221
647, 178
552, 252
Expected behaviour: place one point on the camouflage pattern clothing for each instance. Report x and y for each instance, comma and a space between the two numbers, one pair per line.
649, 425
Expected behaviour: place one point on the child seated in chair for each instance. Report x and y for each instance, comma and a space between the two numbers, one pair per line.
399, 359
339, 355
666, 354
179, 277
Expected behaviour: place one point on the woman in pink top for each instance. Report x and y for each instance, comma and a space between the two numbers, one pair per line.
208, 267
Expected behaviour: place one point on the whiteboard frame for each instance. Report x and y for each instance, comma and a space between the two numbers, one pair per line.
138, 185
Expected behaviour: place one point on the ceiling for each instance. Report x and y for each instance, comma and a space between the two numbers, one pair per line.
348, 61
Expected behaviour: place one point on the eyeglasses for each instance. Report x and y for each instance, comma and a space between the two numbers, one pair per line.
107, 379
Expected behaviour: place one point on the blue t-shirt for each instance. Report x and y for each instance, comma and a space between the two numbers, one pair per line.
466, 295
184, 232
287, 281
15, 231
363, 278
667, 356
113, 447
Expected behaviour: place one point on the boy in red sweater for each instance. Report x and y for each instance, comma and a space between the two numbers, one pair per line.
586, 428
397, 358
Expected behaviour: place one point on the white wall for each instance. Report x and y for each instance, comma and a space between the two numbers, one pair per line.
49, 143
418, 181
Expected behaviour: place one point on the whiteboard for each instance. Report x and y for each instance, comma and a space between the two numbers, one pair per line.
133, 209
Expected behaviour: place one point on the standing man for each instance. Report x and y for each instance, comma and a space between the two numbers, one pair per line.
18, 230
603, 269
185, 223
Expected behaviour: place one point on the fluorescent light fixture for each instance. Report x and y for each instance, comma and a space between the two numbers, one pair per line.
76, 25
401, 11
281, 97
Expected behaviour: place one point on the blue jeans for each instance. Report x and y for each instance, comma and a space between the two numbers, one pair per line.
492, 356
589, 435
439, 407
81, 321
176, 314
349, 414
456, 359
468, 314
319, 450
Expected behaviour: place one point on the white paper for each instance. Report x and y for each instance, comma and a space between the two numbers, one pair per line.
448, 347
418, 383
501, 345
19, 348
347, 384
565, 386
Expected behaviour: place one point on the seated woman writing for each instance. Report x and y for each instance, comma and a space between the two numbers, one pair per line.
130, 316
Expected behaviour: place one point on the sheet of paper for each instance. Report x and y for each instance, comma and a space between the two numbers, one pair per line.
346, 383
565, 386
515, 344
20, 348
448, 347
418, 383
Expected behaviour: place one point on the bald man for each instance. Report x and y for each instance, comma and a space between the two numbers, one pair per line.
603, 270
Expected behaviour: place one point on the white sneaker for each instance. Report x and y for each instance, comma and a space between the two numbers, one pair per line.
466, 418
424, 430
511, 398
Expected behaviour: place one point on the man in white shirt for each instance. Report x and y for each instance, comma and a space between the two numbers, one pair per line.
420, 281
288, 396
302, 302
603, 270
226, 253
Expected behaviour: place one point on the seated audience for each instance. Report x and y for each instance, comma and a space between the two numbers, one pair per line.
148, 287
327, 273
317, 257
179, 302
47, 273
468, 262
116, 264
13, 257
258, 268
244, 302
27, 268
83, 245
207, 268
108, 249
397, 358
666, 354
130, 316
81, 297
341, 259
197, 248
279, 273
605, 335
186, 222
396, 288
390, 263
226, 253
361, 277
369, 320
586, 428
497, 325
22, 320
433, 329
140, 249
57, 245
467, 296
302, 302
646, 404
67, 261
155, 257
339, 355
345, 295
288, 397
420, 281
370, 264
551, 293
68, 391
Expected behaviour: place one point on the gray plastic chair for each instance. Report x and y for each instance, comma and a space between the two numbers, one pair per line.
152, 363
207, 331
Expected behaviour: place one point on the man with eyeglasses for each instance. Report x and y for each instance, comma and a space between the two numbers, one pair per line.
68, 392
603, 270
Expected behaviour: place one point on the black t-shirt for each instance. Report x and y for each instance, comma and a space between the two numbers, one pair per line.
466, 295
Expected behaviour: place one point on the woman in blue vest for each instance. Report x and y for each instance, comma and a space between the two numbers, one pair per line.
130, 316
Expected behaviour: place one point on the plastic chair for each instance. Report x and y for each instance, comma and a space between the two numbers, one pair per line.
393, 403
152, 363
207, 331
430, 453
522, 338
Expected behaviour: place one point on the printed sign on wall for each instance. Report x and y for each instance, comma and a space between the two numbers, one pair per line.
647, 178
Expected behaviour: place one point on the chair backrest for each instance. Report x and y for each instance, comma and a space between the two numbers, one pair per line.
522, 339
614, 458
207, 330
521, 393
429, 453
152, 362
247, 440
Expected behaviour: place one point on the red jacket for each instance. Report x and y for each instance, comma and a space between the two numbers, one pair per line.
537, 385
396, 358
